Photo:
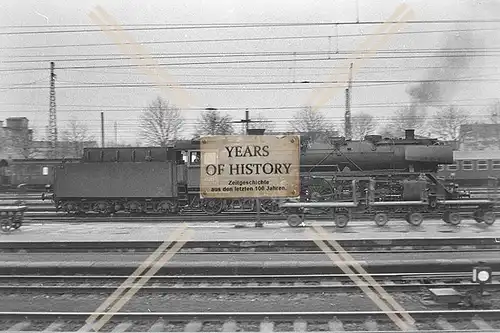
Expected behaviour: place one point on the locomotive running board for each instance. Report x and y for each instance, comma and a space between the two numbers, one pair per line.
13, 208
398, 203
464, 202
319, 204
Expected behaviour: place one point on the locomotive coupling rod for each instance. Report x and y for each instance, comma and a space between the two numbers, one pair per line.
319, 204
399, 203
13, 208
464, 202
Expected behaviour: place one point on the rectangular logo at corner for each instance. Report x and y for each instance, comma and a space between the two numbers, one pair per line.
250, 166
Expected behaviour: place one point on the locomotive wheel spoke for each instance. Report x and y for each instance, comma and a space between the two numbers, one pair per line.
212, 206
319, 190
272, 206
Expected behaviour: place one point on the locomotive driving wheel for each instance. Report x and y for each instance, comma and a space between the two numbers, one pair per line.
318, 190
165, 207
272, 206
102, 207
71, 207
212, 206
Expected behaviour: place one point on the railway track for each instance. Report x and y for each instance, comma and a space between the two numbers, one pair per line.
404, 245
32, 217
310, 283
42, 211
333, 321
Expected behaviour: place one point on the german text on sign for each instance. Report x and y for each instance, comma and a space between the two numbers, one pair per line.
250, 166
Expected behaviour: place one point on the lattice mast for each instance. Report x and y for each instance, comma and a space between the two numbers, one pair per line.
347, 121
52, 111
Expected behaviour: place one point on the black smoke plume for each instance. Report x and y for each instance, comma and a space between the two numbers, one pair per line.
455, 58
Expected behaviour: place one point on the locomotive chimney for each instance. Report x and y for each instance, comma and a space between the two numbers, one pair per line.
410, 134
256, 131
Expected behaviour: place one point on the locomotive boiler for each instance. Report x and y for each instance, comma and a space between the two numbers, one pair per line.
375, 153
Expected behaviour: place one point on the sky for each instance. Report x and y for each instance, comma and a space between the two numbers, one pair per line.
272, 66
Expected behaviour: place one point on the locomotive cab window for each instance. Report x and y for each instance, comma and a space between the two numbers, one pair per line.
496, 164
482, 165
45, 171
466, 165
194, 157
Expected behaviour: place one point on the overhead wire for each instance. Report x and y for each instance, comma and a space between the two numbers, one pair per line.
190, 26
249, 39
110, 57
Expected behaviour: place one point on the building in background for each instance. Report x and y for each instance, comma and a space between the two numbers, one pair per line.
480, 137
17, 142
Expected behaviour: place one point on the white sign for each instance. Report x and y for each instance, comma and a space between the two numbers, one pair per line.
250, 166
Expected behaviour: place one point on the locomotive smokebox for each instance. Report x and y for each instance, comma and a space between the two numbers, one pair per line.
409, 134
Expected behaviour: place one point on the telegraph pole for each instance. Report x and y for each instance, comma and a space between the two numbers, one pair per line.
347, 124
52, 112
102, 129
116, 135
247, 121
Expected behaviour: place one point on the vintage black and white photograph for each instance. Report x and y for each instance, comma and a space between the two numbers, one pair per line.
249, 166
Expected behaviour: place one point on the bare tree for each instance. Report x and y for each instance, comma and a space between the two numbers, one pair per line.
408, 118
22, 141
494, 112
78, 137
212, 122
447, 123
161, 123
362, 124
307, 120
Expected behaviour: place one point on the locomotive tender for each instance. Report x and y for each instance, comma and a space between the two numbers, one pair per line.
376, 176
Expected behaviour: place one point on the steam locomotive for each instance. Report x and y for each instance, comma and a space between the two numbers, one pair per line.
388, 173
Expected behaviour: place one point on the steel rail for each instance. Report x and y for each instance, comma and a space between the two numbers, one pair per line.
417, 275
233, 283
222, 316
246, 289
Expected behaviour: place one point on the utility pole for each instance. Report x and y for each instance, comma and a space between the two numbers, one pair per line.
52, 112
347, 121
116, 135
102, 129
247, 121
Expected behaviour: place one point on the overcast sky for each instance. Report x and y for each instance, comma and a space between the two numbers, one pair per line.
93, 74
